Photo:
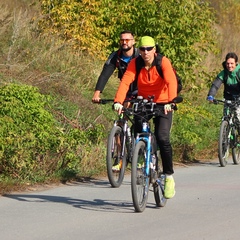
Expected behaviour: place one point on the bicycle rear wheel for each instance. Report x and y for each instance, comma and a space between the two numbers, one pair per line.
114, 150
139, 181
158, 187
223, 143
236, 148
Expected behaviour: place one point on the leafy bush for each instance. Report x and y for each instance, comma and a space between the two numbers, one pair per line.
195, 130
32, 144
28, 131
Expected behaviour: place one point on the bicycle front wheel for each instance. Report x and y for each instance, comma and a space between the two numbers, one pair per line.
139, 181
236, 148
223, 143
114, 158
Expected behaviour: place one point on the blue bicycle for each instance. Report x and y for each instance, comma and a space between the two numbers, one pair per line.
146, 167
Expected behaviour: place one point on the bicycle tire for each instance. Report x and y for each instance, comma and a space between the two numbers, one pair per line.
113, 153
223, 143
159, 195
158, 188
130, 149
236, 148
139, 181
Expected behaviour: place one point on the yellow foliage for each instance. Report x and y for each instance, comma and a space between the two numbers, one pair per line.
74, 22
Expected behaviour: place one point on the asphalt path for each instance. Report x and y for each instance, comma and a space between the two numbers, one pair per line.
206, 207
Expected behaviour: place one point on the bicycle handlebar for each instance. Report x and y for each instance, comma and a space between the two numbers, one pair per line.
104, 101
150, 107
228, 102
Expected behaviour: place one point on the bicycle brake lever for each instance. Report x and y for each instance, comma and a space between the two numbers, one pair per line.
174, 107
152, 106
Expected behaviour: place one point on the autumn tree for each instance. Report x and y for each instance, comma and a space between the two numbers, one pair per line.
184, 29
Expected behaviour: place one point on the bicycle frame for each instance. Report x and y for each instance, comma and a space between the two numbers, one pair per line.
146, 136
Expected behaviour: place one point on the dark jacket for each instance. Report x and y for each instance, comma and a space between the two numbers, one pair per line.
114, 61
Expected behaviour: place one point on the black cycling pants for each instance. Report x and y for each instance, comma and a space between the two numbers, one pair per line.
162, 124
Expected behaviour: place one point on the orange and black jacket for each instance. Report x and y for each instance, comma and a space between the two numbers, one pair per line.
149, 82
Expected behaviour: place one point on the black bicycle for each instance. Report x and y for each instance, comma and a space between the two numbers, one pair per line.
120, 146
146, 166
229, 135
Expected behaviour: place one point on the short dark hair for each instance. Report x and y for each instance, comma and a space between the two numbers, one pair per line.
231, 55
127, 31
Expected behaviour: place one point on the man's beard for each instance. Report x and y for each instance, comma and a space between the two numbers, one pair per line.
125, 49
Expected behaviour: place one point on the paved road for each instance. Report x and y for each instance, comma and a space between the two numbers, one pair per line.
206, 206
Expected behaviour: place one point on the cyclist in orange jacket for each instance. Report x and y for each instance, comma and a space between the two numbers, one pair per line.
164, 89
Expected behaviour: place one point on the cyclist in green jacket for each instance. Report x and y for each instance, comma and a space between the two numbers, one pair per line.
230, 77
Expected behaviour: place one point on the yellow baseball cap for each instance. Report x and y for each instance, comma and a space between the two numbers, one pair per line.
147, 41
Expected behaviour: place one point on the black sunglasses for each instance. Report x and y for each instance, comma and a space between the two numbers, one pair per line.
146, 48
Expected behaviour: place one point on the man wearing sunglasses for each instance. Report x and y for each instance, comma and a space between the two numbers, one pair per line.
164, 90
117, 59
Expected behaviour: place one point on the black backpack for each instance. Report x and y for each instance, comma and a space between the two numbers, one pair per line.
158, 59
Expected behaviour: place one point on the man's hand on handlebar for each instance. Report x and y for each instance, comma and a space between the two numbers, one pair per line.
210, 99
96, 97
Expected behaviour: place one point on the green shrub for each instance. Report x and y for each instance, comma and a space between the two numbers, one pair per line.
28, 131
34, 146
195, 130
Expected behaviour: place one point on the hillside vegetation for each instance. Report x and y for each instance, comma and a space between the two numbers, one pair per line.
51, 55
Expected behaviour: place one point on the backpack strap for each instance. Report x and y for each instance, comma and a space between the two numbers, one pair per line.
158, 62
118, 58
139, 63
